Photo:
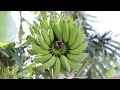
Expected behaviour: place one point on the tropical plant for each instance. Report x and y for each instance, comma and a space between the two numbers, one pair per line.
20, 60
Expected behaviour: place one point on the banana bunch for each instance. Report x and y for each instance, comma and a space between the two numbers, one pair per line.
58, 44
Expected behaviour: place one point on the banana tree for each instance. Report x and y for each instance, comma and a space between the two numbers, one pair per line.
8, 28
11, 57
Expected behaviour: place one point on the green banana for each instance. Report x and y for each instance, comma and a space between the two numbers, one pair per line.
36, 24
51, 71
41, 42
58, 44
39, 50
44, 33
32, 31
36, 30
61, 22
74, 65
77, 58
51, 21
79, 38
31, 39
55, 19
44, 23
32, 51
65, 31
42, 59
57, 31
75, 22
63, 70
72, 33
64, 62
67, 18
79, 49
71, 18
56, 67
51, 35
47, 64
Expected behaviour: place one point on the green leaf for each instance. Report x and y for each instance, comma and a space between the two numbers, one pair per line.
82, 67
116, 42
5, 45
8, 28
110, 73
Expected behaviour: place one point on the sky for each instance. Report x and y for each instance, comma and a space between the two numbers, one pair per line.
107, 20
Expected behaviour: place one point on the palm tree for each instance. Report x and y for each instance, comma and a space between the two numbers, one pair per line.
104, 51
